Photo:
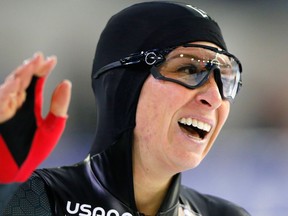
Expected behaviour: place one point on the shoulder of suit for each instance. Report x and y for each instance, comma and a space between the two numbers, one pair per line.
208, 204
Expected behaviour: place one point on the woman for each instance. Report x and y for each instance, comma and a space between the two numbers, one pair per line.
163, 83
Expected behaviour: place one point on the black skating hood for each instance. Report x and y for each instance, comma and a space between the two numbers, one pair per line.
140, 27
102, 184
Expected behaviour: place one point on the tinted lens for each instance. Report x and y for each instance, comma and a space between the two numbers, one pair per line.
191, 66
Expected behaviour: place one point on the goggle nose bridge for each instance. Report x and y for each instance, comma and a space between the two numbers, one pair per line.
218, 80
217, 77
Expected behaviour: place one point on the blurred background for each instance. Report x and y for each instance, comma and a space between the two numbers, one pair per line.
248, 163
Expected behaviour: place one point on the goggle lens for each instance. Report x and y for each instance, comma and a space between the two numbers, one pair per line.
191, 67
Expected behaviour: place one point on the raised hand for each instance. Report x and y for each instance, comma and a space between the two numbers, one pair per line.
26, 139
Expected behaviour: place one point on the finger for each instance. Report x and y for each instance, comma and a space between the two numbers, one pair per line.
21, 97
9, 99
34, 66
26, 70
46, 67
8, 109
11, 85
17, 96
9, 88
61, 99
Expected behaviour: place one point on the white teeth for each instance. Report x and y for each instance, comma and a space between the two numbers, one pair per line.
200, 125
195, 123
188, 121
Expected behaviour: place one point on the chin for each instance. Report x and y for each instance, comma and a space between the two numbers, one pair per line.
187, 162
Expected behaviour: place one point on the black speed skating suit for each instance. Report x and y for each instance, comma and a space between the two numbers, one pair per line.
103, 183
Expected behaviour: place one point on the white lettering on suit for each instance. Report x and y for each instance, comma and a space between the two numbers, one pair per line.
87, 210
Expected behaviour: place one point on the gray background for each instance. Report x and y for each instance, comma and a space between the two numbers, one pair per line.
248, 163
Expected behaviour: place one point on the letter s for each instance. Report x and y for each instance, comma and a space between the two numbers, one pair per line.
85, 208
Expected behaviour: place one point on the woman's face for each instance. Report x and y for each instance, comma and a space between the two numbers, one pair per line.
161, 138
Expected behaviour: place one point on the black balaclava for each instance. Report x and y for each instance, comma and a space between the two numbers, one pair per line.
140, 27
137, 28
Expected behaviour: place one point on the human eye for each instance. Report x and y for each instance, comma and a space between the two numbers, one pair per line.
187, 69
191, 74
184, 68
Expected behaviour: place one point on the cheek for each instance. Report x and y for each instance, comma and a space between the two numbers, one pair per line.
156, 107
148, 115
157, 100
224, 111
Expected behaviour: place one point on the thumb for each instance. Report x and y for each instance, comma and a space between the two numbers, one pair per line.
61, 99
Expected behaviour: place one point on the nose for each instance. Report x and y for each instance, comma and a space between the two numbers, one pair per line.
209, 94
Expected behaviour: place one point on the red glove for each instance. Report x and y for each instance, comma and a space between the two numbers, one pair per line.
18, 158
27, 139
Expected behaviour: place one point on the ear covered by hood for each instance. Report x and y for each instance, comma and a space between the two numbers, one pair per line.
140, 27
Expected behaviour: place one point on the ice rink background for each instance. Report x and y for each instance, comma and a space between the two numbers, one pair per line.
248, 163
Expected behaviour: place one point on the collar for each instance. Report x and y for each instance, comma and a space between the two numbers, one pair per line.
113, 169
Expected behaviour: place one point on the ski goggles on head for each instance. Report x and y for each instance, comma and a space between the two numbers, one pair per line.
189, 65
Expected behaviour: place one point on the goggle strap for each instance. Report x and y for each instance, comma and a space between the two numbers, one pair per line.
107, 67
149, 57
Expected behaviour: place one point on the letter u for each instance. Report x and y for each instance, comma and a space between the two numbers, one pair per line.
68, 208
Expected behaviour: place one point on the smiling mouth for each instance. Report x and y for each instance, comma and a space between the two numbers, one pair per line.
194, 127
